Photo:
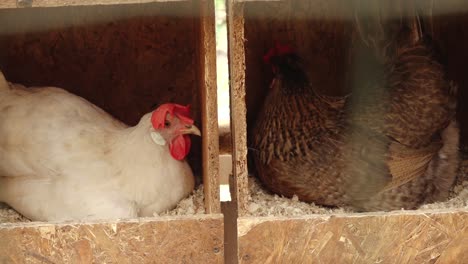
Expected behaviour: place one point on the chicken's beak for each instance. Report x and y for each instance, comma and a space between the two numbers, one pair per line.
191, 129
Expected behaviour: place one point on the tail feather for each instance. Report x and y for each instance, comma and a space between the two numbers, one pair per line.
443, 168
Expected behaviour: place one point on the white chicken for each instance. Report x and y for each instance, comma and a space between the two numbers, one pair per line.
63, 158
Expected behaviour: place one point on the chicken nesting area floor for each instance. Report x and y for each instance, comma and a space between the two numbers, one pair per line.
263, 203
192, 205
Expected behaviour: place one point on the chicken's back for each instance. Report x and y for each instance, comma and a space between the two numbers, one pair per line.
50, 141
413, 101
50, 121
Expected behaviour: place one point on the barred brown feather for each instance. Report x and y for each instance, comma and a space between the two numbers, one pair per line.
381, 149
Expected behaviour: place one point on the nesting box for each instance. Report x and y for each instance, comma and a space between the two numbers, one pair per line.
127, 57
322, 33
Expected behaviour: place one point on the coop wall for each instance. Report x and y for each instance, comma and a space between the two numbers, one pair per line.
126, 59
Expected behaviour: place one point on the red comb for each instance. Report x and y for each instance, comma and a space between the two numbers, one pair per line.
278, 50
159, 115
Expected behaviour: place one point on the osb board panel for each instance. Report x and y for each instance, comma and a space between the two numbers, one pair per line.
56, 3
165, 240
230, 232
403, 237
124, 65
237, 103
125, 59
209, 106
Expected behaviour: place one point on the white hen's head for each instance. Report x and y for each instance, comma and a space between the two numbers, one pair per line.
172, 124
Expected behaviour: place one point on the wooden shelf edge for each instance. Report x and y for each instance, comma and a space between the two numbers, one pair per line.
9, 4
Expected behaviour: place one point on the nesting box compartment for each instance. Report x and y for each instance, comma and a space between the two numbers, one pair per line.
323, 32
127, 57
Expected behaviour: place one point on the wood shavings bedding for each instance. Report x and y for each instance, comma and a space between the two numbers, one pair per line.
263, 203
192, 205
8, 215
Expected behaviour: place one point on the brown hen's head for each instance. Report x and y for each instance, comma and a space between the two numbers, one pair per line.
172, 124
287, 66
276, 56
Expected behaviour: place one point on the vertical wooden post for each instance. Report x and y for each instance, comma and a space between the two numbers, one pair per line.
209, 106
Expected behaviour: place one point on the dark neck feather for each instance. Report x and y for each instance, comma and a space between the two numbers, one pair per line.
289, 71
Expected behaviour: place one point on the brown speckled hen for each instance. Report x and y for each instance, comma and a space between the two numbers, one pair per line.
389, 147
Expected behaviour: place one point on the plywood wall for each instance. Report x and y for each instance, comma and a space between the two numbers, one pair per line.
422, 237
126, 59
163, 240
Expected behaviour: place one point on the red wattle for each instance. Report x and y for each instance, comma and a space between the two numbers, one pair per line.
180, 147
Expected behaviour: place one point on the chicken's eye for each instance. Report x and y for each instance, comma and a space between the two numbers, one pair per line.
167, 123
